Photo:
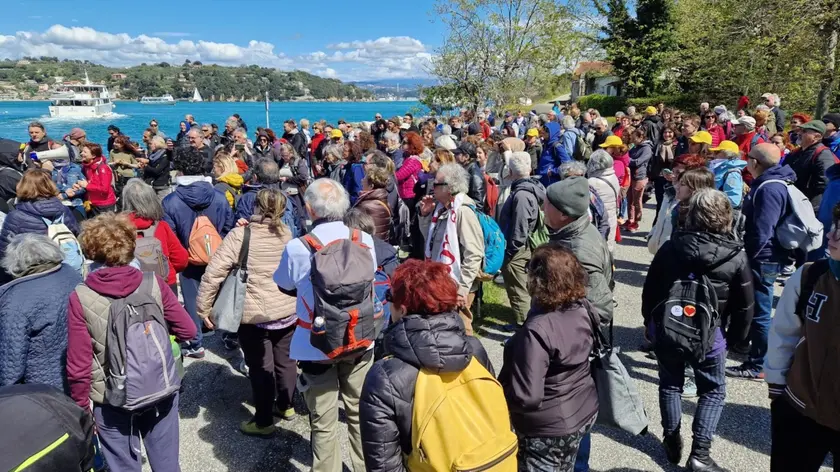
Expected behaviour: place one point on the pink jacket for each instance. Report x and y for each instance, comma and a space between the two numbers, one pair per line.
407, 176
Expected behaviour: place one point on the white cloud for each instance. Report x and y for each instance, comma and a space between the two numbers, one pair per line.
385, 57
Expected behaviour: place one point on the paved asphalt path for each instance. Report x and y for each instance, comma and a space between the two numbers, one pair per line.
217, 397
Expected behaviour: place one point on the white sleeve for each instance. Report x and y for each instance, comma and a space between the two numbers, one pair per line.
785, 333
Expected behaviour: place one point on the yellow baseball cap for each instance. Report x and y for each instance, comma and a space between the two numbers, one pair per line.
612, 141
650, 110
728, 146
533, 132
702, 137
336, 133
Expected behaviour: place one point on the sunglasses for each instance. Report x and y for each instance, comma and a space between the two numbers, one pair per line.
440, 184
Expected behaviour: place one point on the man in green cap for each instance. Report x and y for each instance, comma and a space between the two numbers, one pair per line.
811, 161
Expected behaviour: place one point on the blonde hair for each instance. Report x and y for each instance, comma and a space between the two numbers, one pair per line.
271, 205
226, 163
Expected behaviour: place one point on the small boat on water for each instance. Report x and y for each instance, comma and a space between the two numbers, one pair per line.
81, 101
196, 96
164, 100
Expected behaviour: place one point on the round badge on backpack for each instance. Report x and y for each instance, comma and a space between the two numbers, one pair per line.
676, 310
689, 311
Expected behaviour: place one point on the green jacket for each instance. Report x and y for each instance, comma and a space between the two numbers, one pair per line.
587, 244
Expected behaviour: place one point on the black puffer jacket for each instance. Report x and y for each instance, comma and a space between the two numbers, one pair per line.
435, 342
722, 260
476, 190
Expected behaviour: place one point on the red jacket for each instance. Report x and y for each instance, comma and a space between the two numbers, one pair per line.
486, 131
745, 144
100, 192
172, 249
718, 134
316, 141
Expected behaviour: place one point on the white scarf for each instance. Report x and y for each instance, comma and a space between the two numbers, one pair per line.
449, 251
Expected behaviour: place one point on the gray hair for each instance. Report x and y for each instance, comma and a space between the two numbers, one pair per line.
601, 121
195, 131
599, 161
520, 164
446, 130
28, 251
335, 151
140, 198
731, 155
709, 210
568, 122
631, 110
392, 137
327, 199
571, 169
267, 171
36, 124
357, 219
233, 122
158, 142
619, 115
763, 107
454, 176
241, 131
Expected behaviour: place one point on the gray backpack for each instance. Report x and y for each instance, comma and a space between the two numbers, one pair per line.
140, 368
149, 253
800, 228
343, 317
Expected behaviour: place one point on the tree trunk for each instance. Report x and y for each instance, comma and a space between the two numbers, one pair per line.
828, 74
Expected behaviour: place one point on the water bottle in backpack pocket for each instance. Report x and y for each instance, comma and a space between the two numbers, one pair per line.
61, 235
688, 317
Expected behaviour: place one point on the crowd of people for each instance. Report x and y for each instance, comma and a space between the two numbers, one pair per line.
347, 261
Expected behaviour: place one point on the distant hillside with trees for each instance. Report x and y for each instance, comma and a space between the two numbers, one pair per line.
214, 82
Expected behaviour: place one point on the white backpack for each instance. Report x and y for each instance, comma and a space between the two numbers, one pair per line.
800, 228
60, 234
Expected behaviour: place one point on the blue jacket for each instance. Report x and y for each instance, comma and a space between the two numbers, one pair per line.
182, 207
729, 179
833, 143
554, 154
28, 217
245, 208
353, 175
33, 327
64, 178
640, 156
830, 199
764, 210
570, 140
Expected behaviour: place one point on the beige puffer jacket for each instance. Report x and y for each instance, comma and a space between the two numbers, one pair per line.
263, 300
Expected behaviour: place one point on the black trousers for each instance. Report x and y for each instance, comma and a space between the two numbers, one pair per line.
272, 372
799, 444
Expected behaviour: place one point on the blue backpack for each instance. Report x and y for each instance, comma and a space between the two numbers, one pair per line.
494, 242
381, 284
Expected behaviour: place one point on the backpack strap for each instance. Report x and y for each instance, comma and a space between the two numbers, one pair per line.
149, 232
312, 243
355, 235
243, 251
811, 273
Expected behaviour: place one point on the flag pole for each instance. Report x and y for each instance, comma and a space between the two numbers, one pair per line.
266, 110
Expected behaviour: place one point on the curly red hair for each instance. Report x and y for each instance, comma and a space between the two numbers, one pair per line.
414, 144
422, 287
690, 161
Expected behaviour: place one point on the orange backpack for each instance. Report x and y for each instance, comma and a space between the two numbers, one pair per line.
204, 240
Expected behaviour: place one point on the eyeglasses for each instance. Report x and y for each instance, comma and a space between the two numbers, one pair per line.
440, 184
711, 117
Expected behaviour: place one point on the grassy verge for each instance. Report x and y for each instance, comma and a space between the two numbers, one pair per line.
495, 309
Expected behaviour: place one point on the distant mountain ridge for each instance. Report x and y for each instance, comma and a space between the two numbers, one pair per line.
398, 88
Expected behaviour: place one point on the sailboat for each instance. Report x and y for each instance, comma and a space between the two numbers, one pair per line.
196, 96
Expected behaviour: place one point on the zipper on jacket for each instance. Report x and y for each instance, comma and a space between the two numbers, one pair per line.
492, 463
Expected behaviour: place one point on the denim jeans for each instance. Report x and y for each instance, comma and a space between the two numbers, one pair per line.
711, 389
190, 280
764, 279
582, 460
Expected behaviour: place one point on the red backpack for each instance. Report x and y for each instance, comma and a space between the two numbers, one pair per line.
491, 194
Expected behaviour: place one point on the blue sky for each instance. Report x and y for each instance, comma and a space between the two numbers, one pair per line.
346, 40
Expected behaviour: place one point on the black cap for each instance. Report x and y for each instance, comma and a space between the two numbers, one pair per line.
466, 148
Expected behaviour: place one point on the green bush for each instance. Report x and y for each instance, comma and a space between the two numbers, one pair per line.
607, 105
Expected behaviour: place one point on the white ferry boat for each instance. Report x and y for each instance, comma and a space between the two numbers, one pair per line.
164, 100
81, 101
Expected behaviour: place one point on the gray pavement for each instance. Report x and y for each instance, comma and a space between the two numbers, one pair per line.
217, 397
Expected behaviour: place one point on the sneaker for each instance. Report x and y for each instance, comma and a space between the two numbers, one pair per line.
250, 428
787, 270
745, 371
194, 353
511, 327
634, 226
696, 464
287, 414
689, 388
673, 445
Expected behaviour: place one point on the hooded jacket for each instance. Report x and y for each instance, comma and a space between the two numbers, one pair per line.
719, 258
100, 192
764, 211
653, 126
546, 377
518, 217
375, 203
264, 302
245, 208
436, 343
230, 185
65, 175
833, 143
553, 155
111, 282
830, 199
729, 179
33, 327
182, 207
298, 141
176, 254
640, 156
590, 248
810, 168
608, 190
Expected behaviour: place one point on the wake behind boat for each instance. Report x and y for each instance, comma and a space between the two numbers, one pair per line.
81, 100
164, 100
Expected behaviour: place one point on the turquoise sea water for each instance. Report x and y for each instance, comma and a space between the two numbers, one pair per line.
132, 118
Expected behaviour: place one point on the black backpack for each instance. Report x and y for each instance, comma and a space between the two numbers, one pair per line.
687, 318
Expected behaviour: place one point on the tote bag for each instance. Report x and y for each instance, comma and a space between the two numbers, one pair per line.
230, 301
620, 405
